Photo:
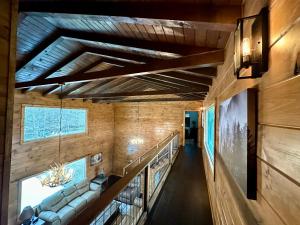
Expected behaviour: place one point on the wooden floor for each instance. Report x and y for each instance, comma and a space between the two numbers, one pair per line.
184, 197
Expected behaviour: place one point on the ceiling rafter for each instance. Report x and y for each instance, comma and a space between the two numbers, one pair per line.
85, 69
187, 78
183, 82
80, 36
206, 59
157, 83
148, 100
174, 15
141, 93
208, 71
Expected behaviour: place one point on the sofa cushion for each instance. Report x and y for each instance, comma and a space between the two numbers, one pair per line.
70, 193
82, 187
49, 216
78, 204
95, 187
54, 202
66, 214
90, 195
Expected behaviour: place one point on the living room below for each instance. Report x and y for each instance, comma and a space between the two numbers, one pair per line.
98, 144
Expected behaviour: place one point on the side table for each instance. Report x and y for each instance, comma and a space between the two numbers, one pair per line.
101, 181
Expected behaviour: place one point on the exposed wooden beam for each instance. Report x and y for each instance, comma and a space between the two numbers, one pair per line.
91, 86
57, 67
51, 90
172, 80
112, 84
176, 49
45, 46
149, 100
72, 89
85, 37
198, 60
171, 84
187, 78
157, 83
174, 15
87, 68
127, 94
125, 57
122, 85
208, 71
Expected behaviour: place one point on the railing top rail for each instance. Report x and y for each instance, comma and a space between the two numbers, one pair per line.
173, 134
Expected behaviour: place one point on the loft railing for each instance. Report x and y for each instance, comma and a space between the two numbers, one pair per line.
138, 160
129, 199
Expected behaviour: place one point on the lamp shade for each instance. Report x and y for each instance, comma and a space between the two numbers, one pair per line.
26, 213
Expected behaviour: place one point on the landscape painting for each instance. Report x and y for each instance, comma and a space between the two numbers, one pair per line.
237, 140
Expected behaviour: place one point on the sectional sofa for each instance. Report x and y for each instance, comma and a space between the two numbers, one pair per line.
61, 207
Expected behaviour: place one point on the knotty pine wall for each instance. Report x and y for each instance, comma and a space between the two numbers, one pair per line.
156, 121
34, 157
278, 152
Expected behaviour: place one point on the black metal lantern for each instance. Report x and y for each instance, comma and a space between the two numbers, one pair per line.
251, 45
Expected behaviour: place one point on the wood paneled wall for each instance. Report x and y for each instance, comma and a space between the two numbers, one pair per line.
34, 157
8, 17
156, 122
278, 152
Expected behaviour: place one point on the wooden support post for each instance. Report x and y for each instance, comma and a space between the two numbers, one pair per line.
146, 188
8, 22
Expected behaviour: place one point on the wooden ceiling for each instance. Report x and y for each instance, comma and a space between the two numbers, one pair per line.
122, 51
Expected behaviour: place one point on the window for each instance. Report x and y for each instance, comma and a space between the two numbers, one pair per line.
209, 135
33, 193
44, 122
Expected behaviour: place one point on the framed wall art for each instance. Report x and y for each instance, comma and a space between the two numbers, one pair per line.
237, 139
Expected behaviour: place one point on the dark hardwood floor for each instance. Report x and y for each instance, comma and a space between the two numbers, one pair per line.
184, 197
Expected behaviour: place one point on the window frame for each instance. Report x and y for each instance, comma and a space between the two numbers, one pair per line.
19, 200
211, 160
22, 141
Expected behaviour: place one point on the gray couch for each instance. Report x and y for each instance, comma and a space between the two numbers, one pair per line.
61, 207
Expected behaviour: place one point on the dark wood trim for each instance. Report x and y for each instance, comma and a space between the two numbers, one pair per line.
141, 93
197, 60
8, 24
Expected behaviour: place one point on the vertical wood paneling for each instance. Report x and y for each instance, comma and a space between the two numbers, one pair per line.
34, 157
151, 121
278, 154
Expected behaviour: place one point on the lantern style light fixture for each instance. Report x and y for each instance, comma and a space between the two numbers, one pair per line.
251, 42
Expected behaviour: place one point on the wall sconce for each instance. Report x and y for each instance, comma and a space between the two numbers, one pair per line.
252, 45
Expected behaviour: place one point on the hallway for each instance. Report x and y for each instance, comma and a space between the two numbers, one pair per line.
184, 197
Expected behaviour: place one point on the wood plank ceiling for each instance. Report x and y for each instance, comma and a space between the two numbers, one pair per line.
122, 51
